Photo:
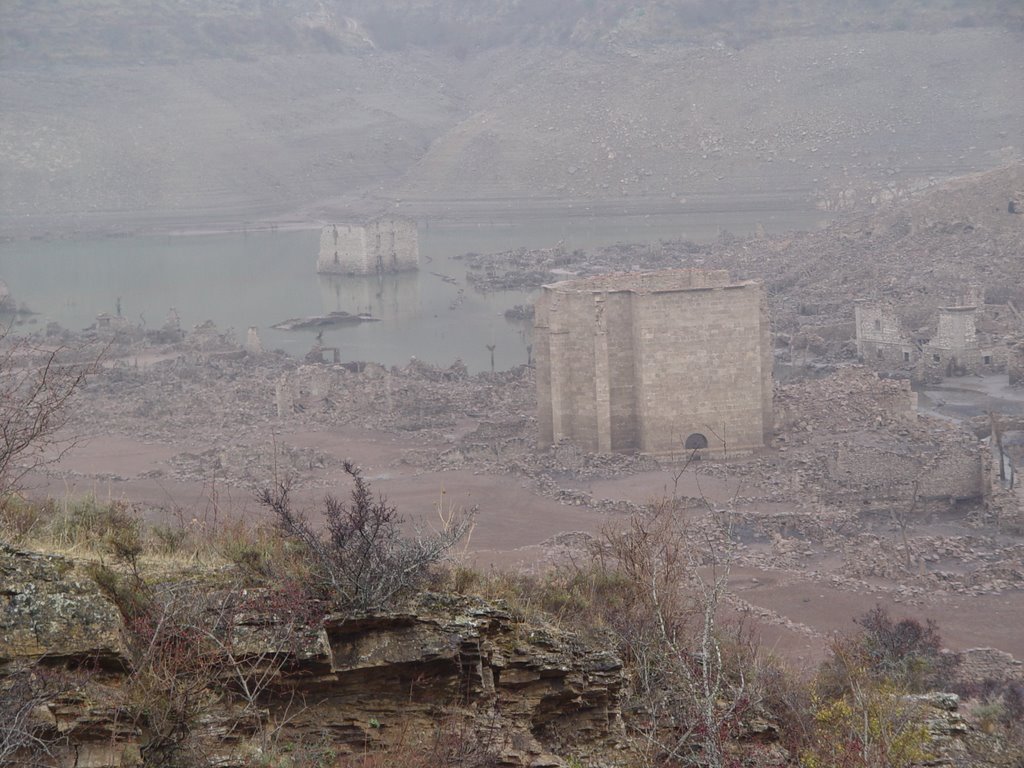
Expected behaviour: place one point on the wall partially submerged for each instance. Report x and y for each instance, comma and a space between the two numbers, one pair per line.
658, 363
384, 244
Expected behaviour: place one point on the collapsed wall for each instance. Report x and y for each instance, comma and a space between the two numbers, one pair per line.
381, 245
659, 363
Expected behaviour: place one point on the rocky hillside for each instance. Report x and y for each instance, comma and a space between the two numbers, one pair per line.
127, 116
515, 692
799, 117
150, 30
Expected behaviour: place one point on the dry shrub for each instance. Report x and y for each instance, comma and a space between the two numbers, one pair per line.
361, 560
656, 587
22, 520
87, 524
37, 382
861, 715
454, 743
905, 654
26, 739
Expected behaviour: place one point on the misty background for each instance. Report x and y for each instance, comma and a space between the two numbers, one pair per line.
123, 117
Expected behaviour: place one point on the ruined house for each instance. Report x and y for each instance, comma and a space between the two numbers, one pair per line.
954, 347
660, 363
381, 245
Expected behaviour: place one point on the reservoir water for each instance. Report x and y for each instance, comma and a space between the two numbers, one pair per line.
258, 279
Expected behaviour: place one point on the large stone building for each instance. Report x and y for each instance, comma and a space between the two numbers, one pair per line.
384, 244
659, 363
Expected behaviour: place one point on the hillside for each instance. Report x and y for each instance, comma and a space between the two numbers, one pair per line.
126, 117
794, 116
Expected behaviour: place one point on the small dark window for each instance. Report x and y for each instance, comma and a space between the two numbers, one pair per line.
878, 325
936, 358
878, 353
988, 359
696, 441
906, 357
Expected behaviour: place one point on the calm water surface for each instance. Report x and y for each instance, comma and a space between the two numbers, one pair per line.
259, 279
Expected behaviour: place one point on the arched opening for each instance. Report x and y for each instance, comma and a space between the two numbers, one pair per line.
696, 441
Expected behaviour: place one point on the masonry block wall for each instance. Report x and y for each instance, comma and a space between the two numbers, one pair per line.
384, 244
881, 339
1015, 364
648, 362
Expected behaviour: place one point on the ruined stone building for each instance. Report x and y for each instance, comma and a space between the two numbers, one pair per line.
380, 245
954, 347
658, 363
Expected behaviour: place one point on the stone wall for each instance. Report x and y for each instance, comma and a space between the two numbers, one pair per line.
956, 349
884, 470
881, 339
647, 362
384, 244
956, 329
978, 664
1015, 364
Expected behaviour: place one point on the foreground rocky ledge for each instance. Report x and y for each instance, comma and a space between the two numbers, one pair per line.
357, 683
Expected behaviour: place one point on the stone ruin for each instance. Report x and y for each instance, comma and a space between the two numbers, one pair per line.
660, 363
253, 343
956, 348
378, 246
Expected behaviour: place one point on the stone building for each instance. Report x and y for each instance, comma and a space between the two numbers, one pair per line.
954, 348
383, 244
881, 339
658, 363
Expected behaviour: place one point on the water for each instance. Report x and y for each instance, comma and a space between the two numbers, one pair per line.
259, 279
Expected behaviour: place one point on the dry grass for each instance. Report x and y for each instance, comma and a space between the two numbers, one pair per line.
89, 528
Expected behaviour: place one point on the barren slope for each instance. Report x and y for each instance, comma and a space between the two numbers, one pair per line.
793, 116
125, 116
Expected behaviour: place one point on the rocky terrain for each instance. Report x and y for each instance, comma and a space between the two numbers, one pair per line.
178, 419
919, 250
227, 117
358, 684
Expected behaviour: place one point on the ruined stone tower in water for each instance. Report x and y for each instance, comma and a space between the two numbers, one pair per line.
659, 362
384, 244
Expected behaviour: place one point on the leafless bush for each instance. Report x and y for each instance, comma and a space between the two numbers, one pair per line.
191, 660
454, 743
692, 672
26, 739
362, 561
36, 384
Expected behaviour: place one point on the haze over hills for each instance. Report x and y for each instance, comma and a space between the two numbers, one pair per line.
124, 116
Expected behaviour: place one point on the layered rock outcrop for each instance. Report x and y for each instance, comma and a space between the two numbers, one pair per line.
526, 694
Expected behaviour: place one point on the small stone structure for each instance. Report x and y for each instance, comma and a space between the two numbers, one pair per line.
380, 245
955, 349
659, 363
881, 339
253, 343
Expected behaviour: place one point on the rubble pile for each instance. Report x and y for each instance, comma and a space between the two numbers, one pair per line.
850, 399
918, 251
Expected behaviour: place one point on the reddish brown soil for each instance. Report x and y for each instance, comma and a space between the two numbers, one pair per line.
513, 520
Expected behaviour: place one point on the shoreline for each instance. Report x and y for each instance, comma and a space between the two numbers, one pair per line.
444, 213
